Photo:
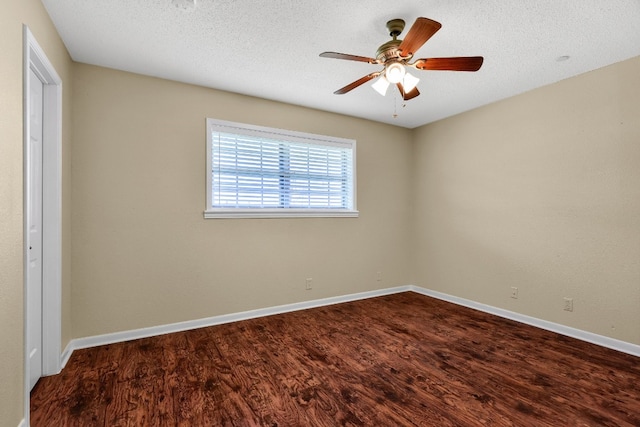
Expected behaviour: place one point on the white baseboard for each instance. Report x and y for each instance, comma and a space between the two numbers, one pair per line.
23, 423
116, 337
590, 337
66, 354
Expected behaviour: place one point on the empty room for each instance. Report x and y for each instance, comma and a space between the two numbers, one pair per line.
236, 213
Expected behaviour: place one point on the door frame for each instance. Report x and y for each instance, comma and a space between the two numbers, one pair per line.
35, 59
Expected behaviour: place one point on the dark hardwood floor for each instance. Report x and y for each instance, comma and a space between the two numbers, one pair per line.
398, 360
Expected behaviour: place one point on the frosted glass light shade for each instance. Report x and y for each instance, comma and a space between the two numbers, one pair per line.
381, 85
409, 82
394, 72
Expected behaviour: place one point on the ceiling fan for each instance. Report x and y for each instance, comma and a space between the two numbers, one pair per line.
395, 55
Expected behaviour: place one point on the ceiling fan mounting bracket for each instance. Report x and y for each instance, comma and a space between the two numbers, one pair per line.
395, 27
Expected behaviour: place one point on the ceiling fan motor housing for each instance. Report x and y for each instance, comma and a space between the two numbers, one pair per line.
389, 50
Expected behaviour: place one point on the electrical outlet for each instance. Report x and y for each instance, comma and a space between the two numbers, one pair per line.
514, 292
308, 283
568, 304
379, 276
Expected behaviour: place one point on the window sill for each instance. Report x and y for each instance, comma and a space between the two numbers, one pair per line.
279, 213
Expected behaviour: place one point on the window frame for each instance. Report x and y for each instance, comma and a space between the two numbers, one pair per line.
284, 135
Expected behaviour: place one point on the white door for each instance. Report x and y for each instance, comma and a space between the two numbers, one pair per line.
34, 227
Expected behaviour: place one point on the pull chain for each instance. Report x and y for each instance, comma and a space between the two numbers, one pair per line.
395, 103
395, 107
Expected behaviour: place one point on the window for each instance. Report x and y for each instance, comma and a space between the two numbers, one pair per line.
258, 172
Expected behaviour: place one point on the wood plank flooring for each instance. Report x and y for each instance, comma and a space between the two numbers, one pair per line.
398, 360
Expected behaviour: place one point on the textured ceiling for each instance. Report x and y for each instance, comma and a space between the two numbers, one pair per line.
270, 48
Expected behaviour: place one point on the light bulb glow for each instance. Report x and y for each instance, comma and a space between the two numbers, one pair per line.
394, 72
409, 82
381, 85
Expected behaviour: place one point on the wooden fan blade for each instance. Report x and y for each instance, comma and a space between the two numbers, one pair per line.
464, 63
410, 95
357, 83
418, 34
337, 55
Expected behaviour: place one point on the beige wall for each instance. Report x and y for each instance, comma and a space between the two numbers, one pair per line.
541, 192
142, 253
13, 15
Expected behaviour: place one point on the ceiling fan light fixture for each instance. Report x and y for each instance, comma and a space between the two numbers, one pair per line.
381, 85
395, 55
394, 72
409, 82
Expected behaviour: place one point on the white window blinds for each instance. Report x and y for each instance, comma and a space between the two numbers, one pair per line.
254, 168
